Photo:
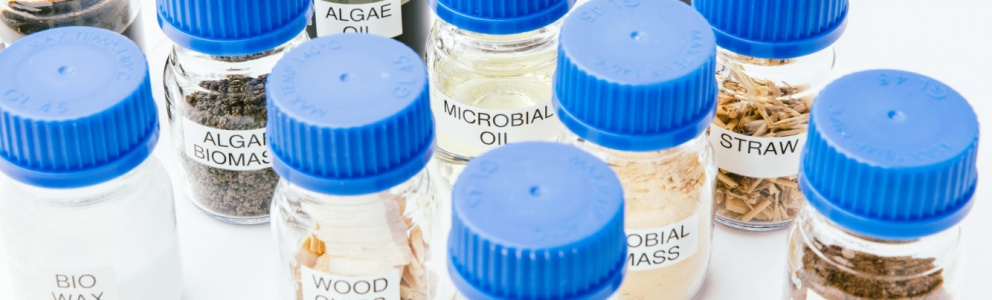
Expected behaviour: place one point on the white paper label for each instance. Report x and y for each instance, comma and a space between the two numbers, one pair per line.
322, 286
383, 18
235, 150
656, 248
489, 128
811, 295
758, 157
98, 284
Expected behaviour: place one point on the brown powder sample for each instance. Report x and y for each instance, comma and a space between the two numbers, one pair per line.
659, 193
758, 108
849, 274
235, 103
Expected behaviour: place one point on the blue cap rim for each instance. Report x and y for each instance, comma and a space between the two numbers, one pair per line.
603, 292
781, 50
355, 186
245, 46
83, 178
633, 142
885, 229
501, 26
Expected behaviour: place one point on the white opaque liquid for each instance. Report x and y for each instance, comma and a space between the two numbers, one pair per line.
118, 237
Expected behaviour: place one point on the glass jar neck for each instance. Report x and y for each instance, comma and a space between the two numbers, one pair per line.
698, 144
121, 186
262, 62
531, 41
807, 74
322, 201
818, 231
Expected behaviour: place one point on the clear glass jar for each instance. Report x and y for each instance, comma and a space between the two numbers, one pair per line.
828, 262
23, 17
217, 113
382, 239
759, 132
407, 21
506, 77
118, 237
665, 191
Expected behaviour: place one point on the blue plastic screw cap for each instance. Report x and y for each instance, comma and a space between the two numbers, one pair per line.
537, 220
233, 27
349, 115
775, 28
76, 108
891, 155
636, 75
501, 16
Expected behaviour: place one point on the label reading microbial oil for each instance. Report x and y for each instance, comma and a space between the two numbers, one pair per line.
320, 286
98, 284
487, 129
758, 157
234, 150
383, 18
655, 248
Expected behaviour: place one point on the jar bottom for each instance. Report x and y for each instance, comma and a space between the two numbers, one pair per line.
234, 220
752, 226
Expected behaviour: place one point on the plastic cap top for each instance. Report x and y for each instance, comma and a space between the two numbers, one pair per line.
501, 16
350, 114
636, 75
891, 155
76, 109
775, 28
537, 220
233, 27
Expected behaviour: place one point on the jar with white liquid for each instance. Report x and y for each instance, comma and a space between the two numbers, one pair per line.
85, 212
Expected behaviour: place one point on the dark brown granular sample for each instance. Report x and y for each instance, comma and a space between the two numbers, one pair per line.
873, 277
24, 17
235, 103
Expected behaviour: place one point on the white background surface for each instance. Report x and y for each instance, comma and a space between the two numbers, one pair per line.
946, 39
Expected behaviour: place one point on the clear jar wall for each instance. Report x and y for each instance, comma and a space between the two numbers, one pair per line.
20, 18
415, 19
124, 228
220, 101
758, 134
492, 74
665, 190
828, 262
391, 231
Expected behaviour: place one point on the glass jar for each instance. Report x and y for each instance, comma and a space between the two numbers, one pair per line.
19, 18
99, 220
547, 213
768, 78
637, 91
354, 214
491, 78
888, 179
216, 98
407, 21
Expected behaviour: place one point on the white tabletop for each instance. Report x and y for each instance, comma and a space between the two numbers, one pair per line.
944, 39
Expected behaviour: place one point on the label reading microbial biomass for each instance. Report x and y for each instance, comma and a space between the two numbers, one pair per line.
235, 150
656, 248
321, 286
383, 18
489, 128
758, 157
99, 284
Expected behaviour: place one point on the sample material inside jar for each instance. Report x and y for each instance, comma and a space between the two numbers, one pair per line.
24, 17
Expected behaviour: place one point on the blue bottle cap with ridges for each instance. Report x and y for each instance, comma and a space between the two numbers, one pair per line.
638, 76
501, 16
233, 27
537, 220
349, 115
891, 155
77, 108
775, 28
